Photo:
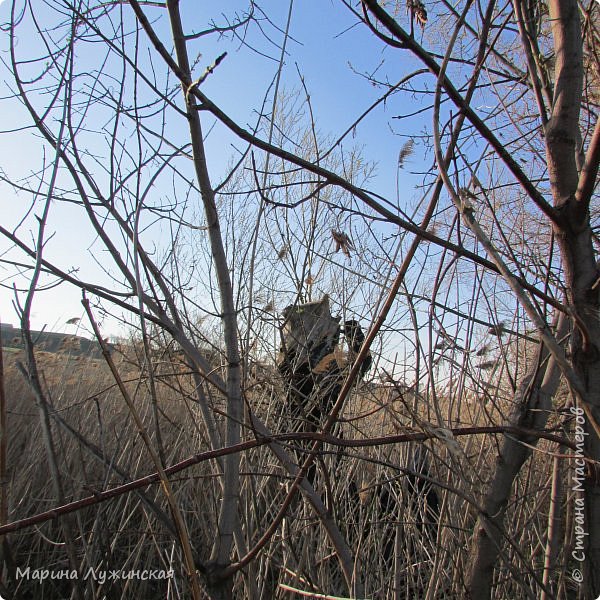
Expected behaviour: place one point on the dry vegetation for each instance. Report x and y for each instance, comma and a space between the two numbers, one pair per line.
194, 176
367, 489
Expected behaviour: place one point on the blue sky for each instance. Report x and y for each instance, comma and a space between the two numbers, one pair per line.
325, 48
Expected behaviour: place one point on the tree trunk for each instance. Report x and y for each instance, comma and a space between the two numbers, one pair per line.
229, 509
571, 191
533, 401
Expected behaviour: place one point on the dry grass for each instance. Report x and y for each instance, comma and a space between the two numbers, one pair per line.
364, 488
126, 532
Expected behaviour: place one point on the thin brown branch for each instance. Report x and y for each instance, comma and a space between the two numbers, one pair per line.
589, 173
104, 495
411, 44
182, 531
332, 178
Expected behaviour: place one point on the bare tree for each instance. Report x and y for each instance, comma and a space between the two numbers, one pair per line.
558, 126
478, 294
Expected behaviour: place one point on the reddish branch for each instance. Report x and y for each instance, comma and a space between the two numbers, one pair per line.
101, 496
